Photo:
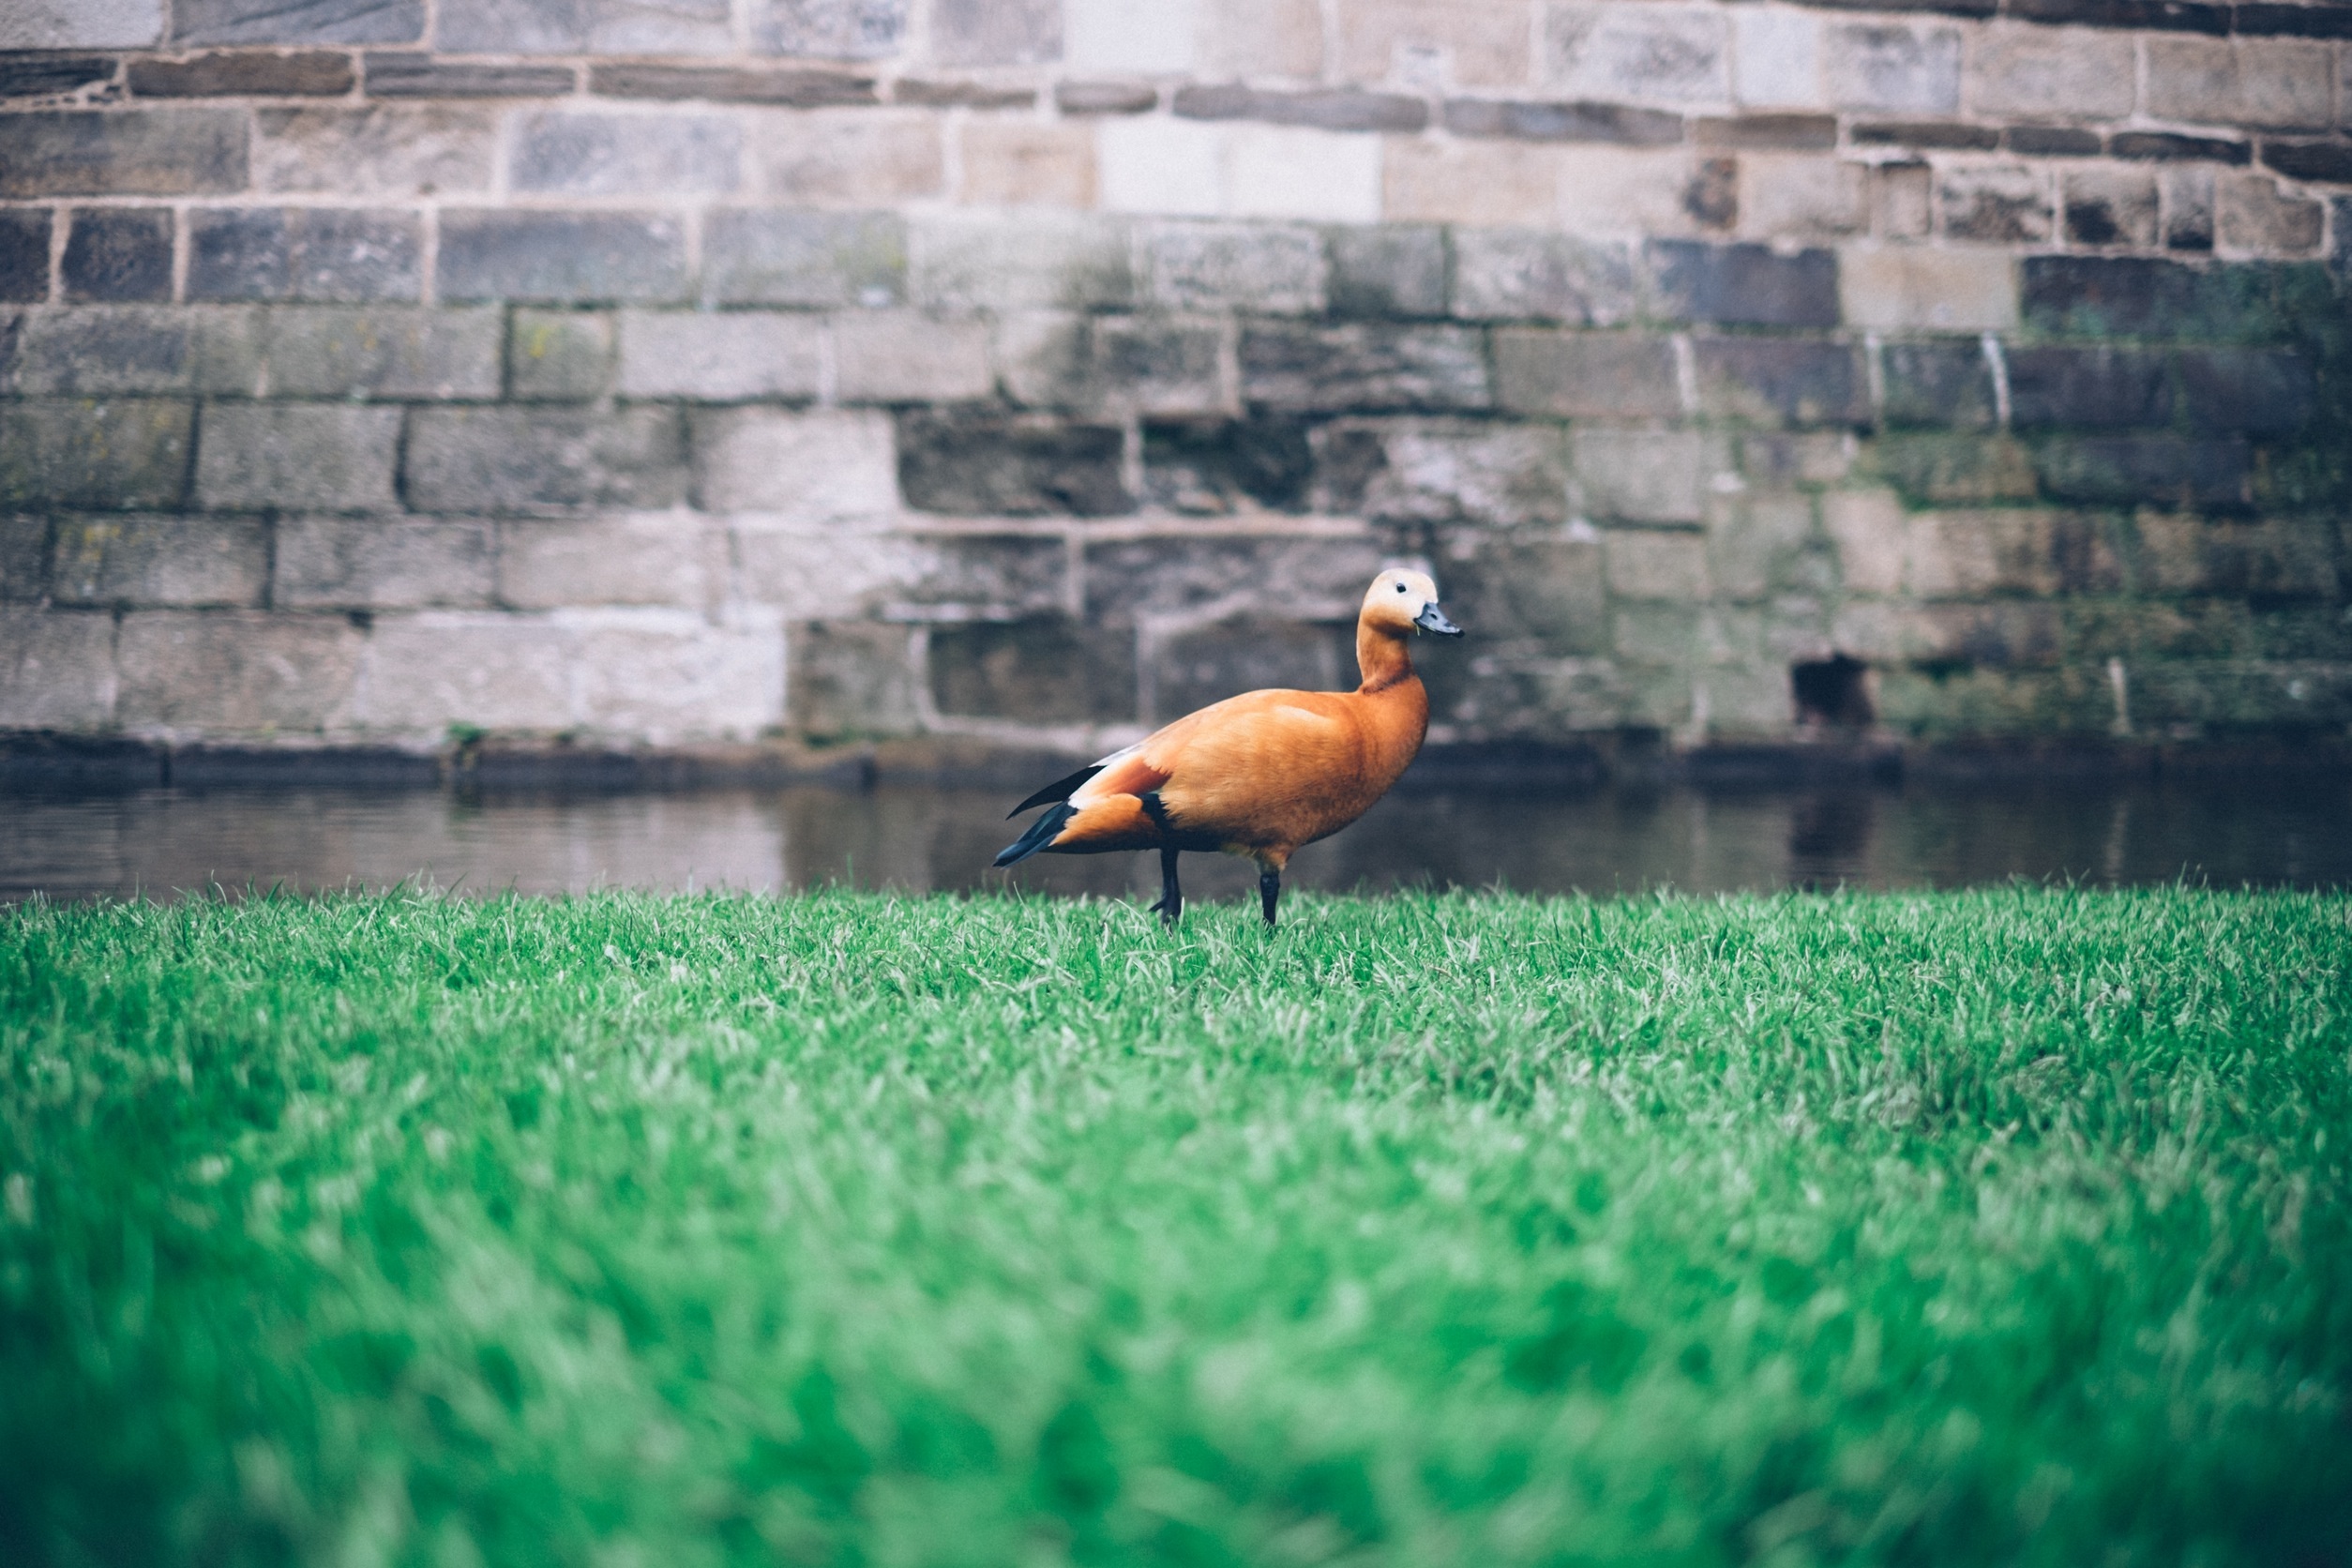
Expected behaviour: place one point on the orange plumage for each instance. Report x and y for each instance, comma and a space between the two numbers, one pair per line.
1261, 774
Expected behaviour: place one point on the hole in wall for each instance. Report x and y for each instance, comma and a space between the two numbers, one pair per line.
1832, 692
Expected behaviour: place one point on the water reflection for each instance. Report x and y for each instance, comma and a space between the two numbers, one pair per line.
1600, 841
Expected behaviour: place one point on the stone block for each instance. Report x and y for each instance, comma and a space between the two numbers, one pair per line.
1486, 183
186, 562
1368, 366
1743, 285
824, 466
2260, 393
1432, 470
1782, 381
1325, 109
1776, 58
1020, 163
717, 356
1520, 274
297, 21
57, 669
1542, 588
2187, 197
821, 259
1643, 563
659, 558
1966, 469
1951, 636
149, 152
1767, 132
1902, 201
354, 564
1642, 475
2051, 141
1893, 66
852, 678
81, 25
2110, 206
2089, 388
116, 254
1781, 458
1155, 165
940, 579
536, 460
798, 89
900, 356
1870, 534
1393, 269
567, 153
237, 73
1610, 124
1995, 204
561, 355
320, 254
1662, 54
133, 348
847, 157
31, 76
2018, 68
2159, 470
829, 29
2254, 213
1214, 467
2281, 83
1938, 382
298, 458
1266, 39
1178, 583
1584, 376
668, 676
119, 454
1665, 634
1919, 136
1105, 98
23, 254
1043, 261
2009, 551
24, 558
1258, 268
1150, 363
996, 32
243, 673
1311, 176
2273, 559
1761, 545
427, 76
980, 464
383, 352
430, 671
383, 150
587, 27
1903, 289
2164, 146
1046, 671
1189, 670
562, 257
1425, 40
1801, 198
2329, 163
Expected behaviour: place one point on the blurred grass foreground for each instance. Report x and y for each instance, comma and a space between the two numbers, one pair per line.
2004, 1226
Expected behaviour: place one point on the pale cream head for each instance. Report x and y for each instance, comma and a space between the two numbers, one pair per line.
1405, 601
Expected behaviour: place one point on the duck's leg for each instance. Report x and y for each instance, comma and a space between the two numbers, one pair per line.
1171, 904
1269, 891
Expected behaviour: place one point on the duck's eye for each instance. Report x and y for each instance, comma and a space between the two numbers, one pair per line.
1400, 587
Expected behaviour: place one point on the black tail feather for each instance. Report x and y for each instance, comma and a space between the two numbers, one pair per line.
1060, 788
1040, 834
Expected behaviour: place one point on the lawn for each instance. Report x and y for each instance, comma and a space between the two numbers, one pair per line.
2009, 1225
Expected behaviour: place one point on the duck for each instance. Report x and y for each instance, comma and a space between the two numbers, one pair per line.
1259, 774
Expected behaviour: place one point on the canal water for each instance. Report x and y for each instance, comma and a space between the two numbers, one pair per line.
1604, 841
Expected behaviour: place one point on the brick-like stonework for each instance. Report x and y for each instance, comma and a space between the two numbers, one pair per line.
1030, 372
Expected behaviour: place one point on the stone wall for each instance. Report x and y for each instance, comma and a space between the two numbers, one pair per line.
660, 371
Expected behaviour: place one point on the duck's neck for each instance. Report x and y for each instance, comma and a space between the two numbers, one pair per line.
1383, 656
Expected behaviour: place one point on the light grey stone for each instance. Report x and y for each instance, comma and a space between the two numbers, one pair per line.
297, 21
571, 153
1893, 67
1223, 267
632, 558
427, 672
717, 356
298, 458
352, 564
672, 676
1647, 52
1520, 272
804, 258
544, 460
1043, 261
184, 563
586, 27
821, 466
81, 23
561, 355
383, 352
57, 669
1451, 470
996, 32
245, 673
829, 29
562, 257
380, 150
851, 678
899, 356
1642, 475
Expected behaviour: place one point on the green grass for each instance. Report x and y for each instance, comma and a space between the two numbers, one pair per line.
1978, 1228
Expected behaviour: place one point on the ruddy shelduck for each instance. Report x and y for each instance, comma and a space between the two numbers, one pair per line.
1261, 774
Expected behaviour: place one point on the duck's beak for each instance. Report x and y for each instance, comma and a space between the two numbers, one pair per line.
1433, 619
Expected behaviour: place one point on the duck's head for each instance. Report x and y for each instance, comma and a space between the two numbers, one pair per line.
1403, 602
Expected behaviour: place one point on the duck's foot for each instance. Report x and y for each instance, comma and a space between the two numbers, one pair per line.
1171, 908
1269, 893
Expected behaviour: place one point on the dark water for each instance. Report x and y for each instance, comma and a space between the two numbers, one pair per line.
1604, 841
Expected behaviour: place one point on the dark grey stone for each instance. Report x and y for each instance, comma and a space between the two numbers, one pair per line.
423, 76
1563, 122
1940, 381
2185, 16
799, 89
1209, 467
242, 73
37, 75
2157, 147
119, 350
2187, 209
1743, 285
562, 257
2051, 142
984, 465
386, 352
1781, 132
961, 95
1331, 109
1937, 135
154, 152
1585, 375
2257, 392
2097, 388
1524, 274
996, 32
981, 577
23, 254
2138, 296
325, 255
1048, 669
1251, 653
1105, 98
829, 29
543, 460
1127, 579
119, 454
2293, 21
2211, 473
1367, 366
804, 258
1391, 269
118, 253
1792, 380
575, 154
1151, 362
2328, 161
297, 21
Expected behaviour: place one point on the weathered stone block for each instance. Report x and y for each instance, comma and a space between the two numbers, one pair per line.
1643, 475
2090, 389
104, 454
2010, 551
1388, 270
1927, 135
563, 257
239, 673
382, 150
2165, 471
671, 676
1047, 671
2016, 68
829, 29
2187, 195
1043, 261
1902, 201
977, 464
133, 348
429, 672
24, 558
1105, 98
350, 564
2110, 206
800, 89
1786, 381
561, 355
849, 678
238, 73
1953, 636
1209, 467
153, 152
1314, 579
847, 157
2164, 146
804, 258
29, 76
1330, 109
1520, 272
2241, 81
1380, 41
2253, 213
1871, 535
81, 25
1800, 198
898, 356
1152, 364
1893, 66
1998, 204
188, 562
2051, 142
564, 152
996, 32
632, 558
57, 669
1745, 285
821, 465
2133, 297
1489, 183
717, 356
1451, 470
1650, 52
2260, 393
1584, 376
1776, 58
1669, 634
1545, 588
1366, 366
118, 253
587, 27
23, 254
1761, 545
2273, 559
1200, 266
1642, 564
1798, 458
1191, 670
939, 579
383, 352
1938, 382
1021, 164
1581, 121
1956, 468
320, 254
538, 461
300, 22
1285, 172
406, 75
297, 457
